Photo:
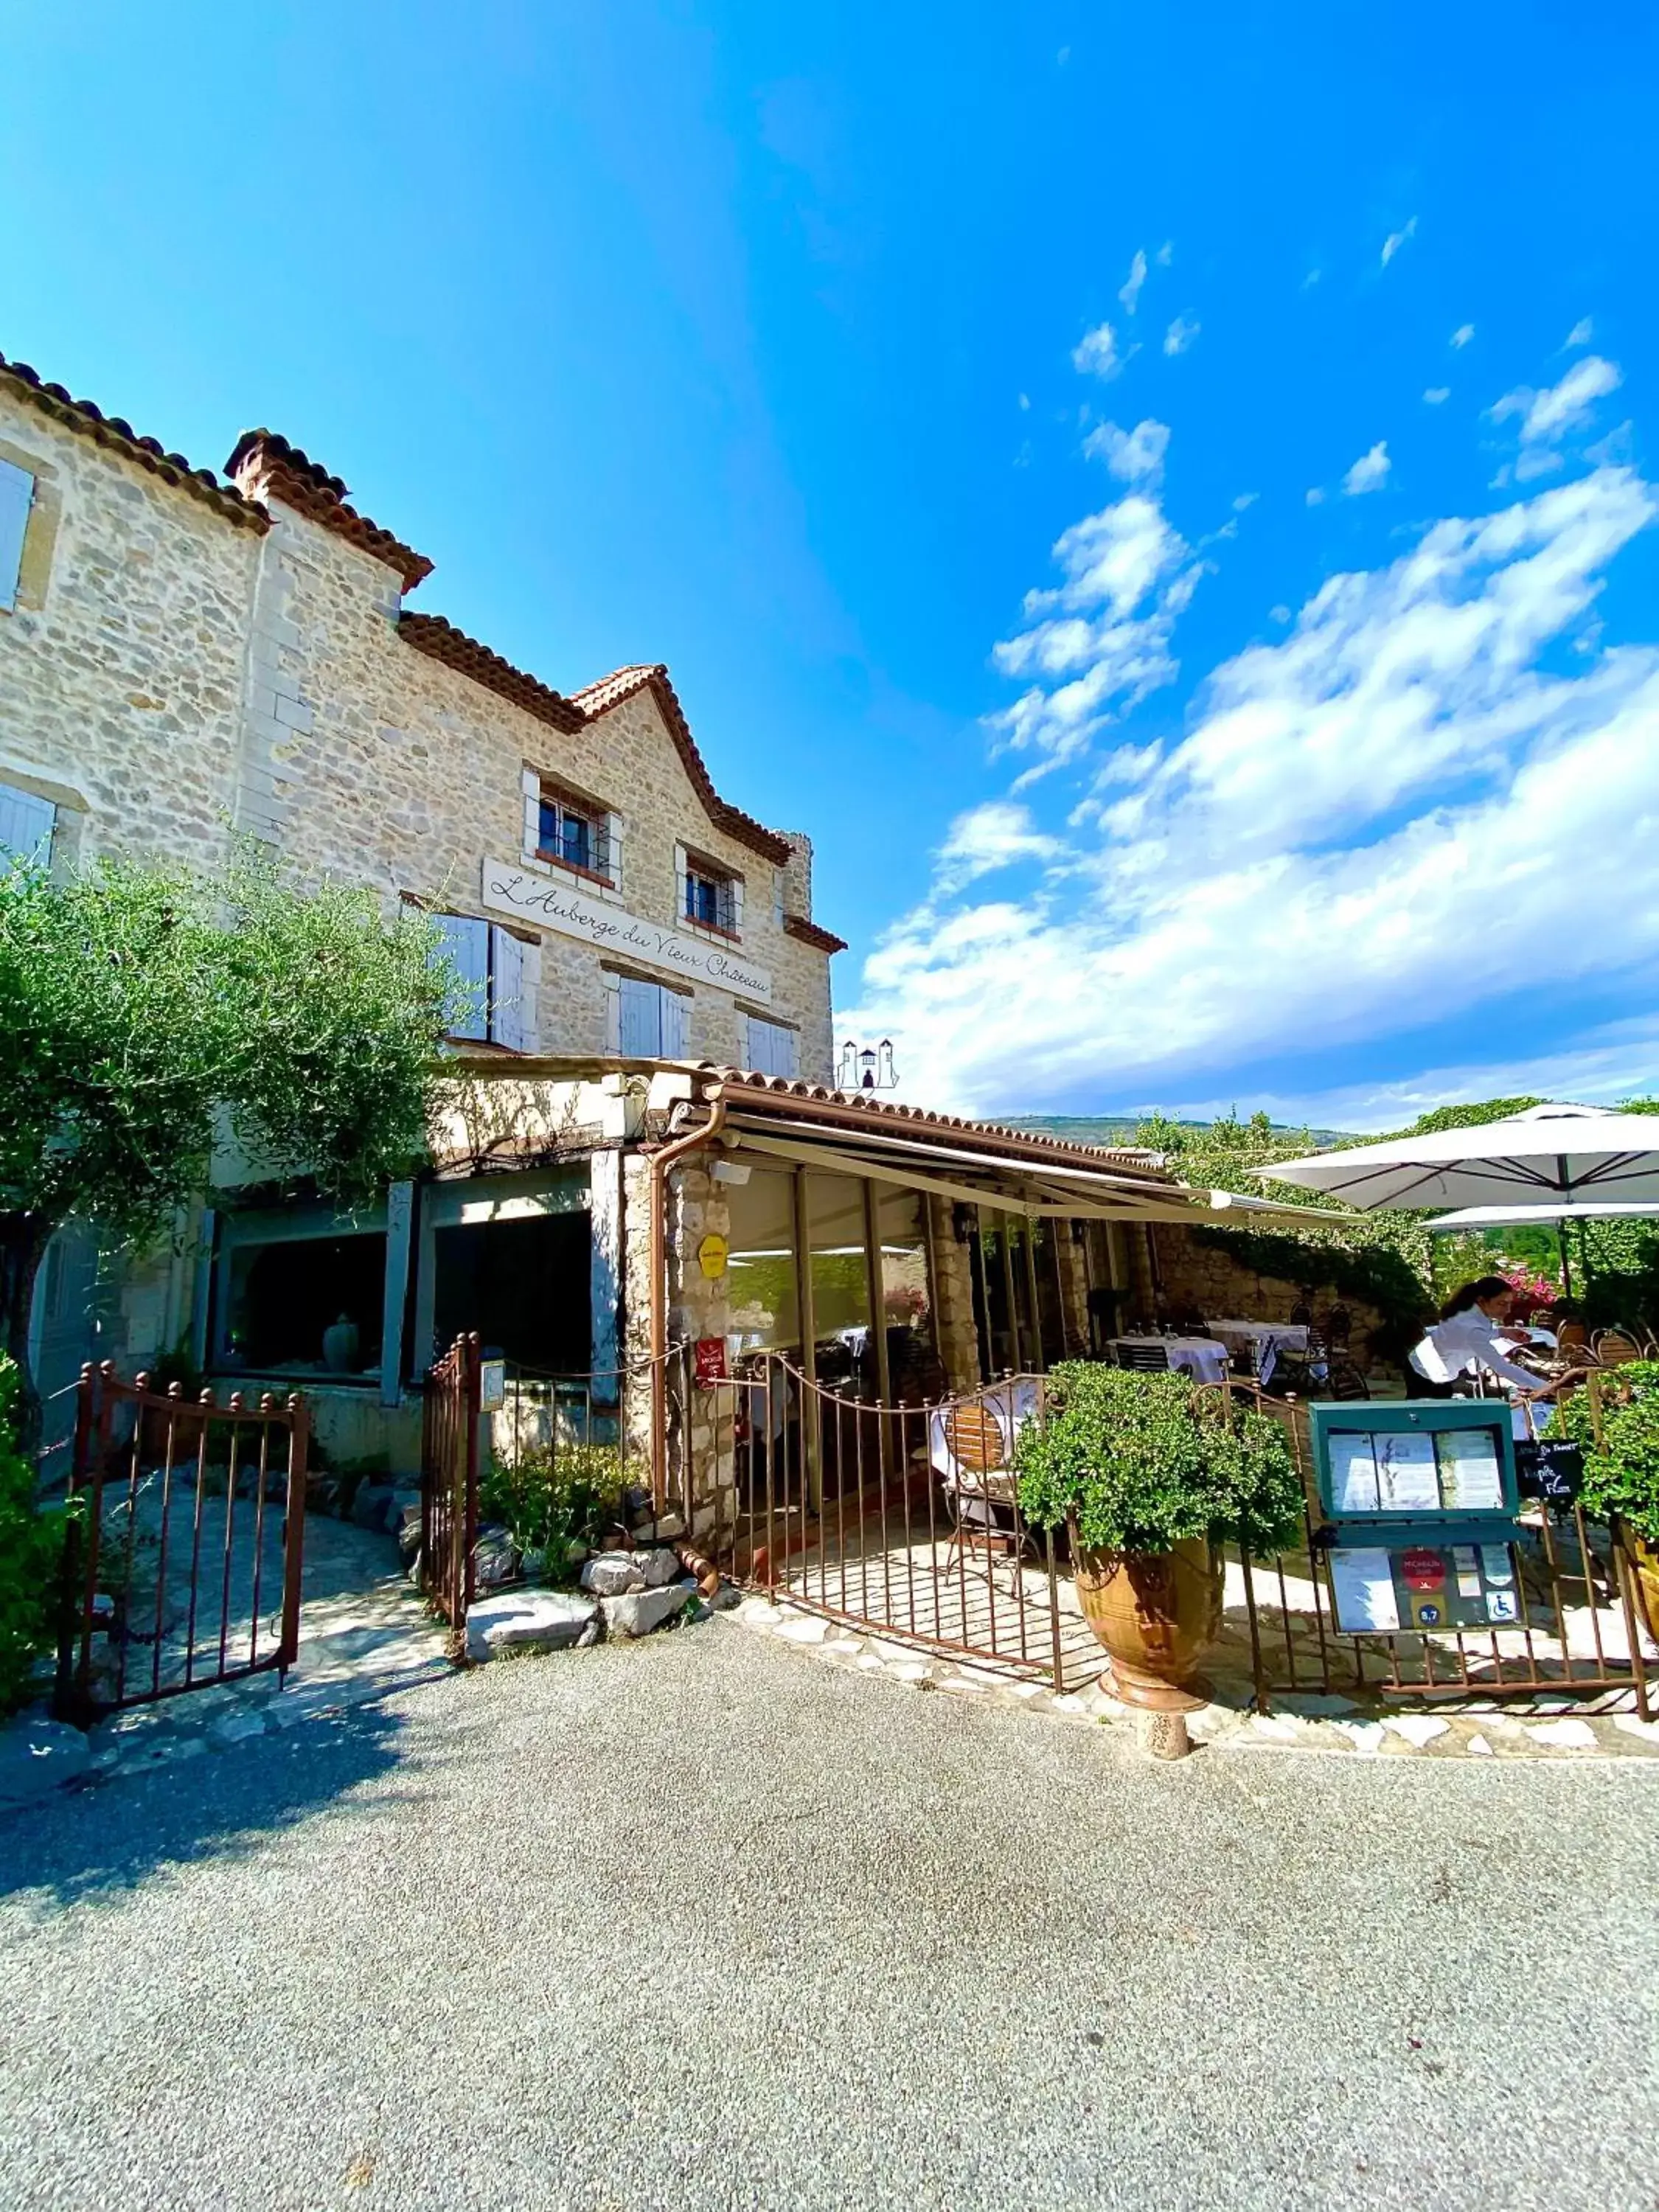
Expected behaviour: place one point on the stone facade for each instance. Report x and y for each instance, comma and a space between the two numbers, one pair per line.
187, 659
176, 665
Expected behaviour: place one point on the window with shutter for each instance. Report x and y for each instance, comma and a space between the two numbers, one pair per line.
26, 825
771, 1048
676, 1026
641, 1019
17, 497
511, 1018
467, 944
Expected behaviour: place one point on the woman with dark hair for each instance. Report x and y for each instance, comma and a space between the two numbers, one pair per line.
1465, 1341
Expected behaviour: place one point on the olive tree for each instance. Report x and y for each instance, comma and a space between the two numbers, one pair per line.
148, 1013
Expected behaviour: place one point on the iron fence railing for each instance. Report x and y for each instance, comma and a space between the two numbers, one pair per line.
184, 1542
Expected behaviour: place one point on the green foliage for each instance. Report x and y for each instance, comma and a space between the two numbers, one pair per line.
31, 1552
1144, 1462
1468, 1117
1387, 1258
145, 1013
549, 1500
1621, 1474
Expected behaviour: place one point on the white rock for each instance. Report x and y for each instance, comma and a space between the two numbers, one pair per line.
1633, 1724
613, 1574
1418, 1728
638, 1611
37, 1755
659, 1568
528, 1619
804, 1628
1565, 1735
1367, 1735
1479, 1744
1278, 1728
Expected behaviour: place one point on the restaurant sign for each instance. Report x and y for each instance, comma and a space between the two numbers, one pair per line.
545, 904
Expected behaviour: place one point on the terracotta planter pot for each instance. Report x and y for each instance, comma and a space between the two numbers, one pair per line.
1158, 1614
1644, 1559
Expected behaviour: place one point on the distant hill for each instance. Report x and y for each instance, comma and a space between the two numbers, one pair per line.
1120, 1128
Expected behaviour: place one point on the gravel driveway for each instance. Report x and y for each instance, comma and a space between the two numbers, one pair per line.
698, 1923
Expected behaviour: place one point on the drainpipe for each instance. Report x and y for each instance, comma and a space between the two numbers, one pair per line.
665, 1158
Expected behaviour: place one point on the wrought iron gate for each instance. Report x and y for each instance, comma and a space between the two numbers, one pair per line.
450, 1431
183, 1551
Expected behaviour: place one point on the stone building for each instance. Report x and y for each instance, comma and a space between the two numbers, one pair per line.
643, 1149
185, 656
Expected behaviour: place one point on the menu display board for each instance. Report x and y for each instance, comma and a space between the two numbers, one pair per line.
1422, 1504
1380, 1591
1445, 1471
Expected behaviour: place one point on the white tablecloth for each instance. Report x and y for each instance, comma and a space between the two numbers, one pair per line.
1201, 1356
1269, 1338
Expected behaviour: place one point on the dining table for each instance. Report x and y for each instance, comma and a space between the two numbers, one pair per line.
1201, 1357
1263, 1340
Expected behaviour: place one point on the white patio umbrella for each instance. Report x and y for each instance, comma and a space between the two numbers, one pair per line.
1549, 1164
1571, 1155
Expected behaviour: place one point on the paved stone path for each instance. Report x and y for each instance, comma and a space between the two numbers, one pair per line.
698, 1922
1534, 1728
363, 1630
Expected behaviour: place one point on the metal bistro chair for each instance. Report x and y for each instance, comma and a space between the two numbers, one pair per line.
1143, 1358
1615, 1347
981, 1497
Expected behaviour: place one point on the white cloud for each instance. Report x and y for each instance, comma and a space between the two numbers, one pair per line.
1437, 394
1245, 499
994, 835
1548, 415
1351, 807
1096, 352
1396, 239
1461, 336
1097, 642
1316, 495
1582, 332
1132, 456
1165, 253
1181, 333
1370, 473
1130, 292
1025, 403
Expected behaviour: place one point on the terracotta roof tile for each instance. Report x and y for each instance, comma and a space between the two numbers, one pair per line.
596, 699
825, 940
263, 464
431, 633
1031, 1144
120, 436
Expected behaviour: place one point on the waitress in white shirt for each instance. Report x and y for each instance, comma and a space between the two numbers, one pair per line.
1465, 1340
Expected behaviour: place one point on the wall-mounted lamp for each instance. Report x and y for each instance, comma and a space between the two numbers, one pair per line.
869, 1068
963, 1220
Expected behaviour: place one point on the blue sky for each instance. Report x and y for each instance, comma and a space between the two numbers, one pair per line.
1258, 704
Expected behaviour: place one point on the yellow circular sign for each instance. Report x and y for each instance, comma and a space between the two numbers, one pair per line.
712, 1254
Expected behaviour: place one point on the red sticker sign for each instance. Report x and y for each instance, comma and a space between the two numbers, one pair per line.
1424, 1570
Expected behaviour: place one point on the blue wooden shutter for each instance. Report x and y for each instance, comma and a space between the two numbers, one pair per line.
16, 496
26, 825
466, 943
676, 1026
510, 1015
641, 1019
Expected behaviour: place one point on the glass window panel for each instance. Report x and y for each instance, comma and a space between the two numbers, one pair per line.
765, 1308
284, 1296
841, 1278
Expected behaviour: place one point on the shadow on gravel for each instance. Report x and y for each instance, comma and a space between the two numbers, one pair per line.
111, 1835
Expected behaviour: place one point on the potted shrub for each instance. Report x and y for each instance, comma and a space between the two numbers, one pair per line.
1152, 1473
1621, 1468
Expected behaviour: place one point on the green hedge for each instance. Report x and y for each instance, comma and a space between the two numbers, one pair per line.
31, 1555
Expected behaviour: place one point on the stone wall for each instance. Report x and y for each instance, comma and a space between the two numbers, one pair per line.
122, 664
956, 1335
1195, 1271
